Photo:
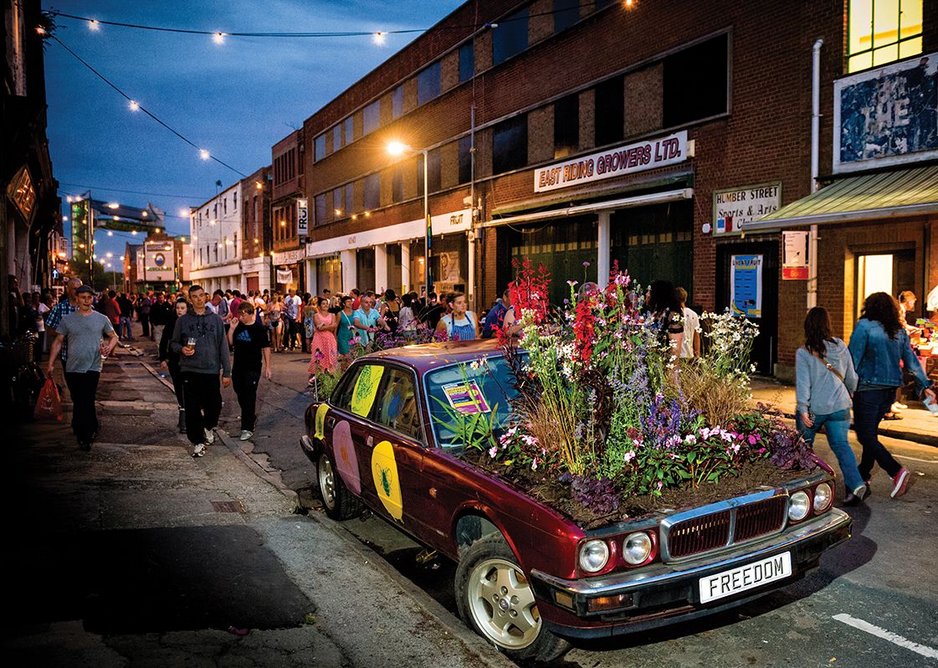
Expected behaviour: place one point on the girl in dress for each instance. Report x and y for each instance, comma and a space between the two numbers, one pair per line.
325, 354
345, 323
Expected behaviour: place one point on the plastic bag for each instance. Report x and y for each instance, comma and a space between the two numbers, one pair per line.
49, 404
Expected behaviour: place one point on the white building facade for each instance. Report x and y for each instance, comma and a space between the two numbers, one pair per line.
215, 228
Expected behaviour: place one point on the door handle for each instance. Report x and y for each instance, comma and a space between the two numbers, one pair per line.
330, 421
370, 441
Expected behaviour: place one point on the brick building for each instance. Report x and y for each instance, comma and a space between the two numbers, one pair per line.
256, 231
654, 134
287, 203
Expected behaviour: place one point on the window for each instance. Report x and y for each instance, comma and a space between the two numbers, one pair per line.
695, 82
467, 61
397, 407
566, 13
349, 130
428, 83
371, 117
433, 172
510, 37
337, 137
319, 148
352, 393
566, 126
881, 31
510, 144
397, 184
397, 102
234, 200
610, 111
224, 206
465, 159
321, 210
372, 191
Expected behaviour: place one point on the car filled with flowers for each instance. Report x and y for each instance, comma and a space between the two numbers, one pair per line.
585, 482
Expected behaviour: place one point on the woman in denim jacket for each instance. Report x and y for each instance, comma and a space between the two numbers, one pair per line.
877, 344
824, 382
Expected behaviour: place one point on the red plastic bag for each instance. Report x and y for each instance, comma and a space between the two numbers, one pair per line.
49, 404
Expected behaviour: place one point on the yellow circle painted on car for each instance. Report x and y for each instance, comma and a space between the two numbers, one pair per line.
388, 485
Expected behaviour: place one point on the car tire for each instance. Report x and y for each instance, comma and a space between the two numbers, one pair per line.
494, 598
338, 502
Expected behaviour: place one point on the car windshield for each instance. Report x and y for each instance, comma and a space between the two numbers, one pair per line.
459, 392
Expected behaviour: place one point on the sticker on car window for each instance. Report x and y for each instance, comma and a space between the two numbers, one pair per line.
320, 432
366, 388
466, 398
387, 484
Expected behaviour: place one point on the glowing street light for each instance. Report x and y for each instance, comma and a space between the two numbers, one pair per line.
397, 148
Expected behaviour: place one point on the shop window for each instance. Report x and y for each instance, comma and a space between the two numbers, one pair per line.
371, 117
433, 172
566, 126
610, 111
397, 102
372, 192
365, 268
566, 13
465, 159
428, 83
882, 31
695, 82
319, 147
510, 37
510, 144
467, 61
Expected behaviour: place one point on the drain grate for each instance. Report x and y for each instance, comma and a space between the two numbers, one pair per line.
228, 506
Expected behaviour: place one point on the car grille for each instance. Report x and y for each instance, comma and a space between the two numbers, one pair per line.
712, 531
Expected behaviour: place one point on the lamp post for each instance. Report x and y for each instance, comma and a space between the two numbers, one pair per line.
397, 148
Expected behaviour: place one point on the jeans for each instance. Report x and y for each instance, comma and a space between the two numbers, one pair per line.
245, 386
83, 387
869, 407
202, 395
124, 329
837, 426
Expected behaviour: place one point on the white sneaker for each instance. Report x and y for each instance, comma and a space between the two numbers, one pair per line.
198, 450
246, 435
898, 406
209, 436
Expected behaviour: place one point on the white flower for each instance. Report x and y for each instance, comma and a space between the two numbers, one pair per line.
629, 456
493, 452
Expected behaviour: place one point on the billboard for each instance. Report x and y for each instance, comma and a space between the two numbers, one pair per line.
159, 262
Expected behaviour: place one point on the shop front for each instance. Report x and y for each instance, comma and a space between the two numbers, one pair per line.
256, 274
289, 270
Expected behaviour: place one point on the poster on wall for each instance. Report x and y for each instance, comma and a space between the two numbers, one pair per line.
449, 267
746, 285
887, 116
795, 260
285, 276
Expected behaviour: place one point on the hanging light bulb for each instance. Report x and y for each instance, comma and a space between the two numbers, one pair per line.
94, 25
379, 38
219, 37
134, 105
204, 154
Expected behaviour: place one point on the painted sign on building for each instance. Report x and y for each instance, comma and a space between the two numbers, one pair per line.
887, 116
735, 207
159, 262
302, 217
613, 162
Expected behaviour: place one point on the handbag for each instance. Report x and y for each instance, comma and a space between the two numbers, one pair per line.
49, 403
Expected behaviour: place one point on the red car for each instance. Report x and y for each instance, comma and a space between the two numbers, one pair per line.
528, 577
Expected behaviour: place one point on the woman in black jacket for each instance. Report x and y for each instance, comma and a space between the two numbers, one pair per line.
170, 360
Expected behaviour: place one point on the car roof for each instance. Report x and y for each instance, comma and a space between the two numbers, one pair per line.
427, 356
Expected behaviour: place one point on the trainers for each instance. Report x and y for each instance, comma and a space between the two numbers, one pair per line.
209, 436
198, 450
858, 495
898, 406
900, 482
246, 435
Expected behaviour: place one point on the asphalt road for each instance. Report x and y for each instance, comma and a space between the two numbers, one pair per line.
164, 556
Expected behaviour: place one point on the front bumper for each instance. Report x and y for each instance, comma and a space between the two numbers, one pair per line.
664, 593
309, 448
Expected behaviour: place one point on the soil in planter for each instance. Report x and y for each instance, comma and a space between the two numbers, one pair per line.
557, 495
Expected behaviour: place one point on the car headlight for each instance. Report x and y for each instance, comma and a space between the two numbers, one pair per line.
594, 554
823, 496
798, 506
636, 548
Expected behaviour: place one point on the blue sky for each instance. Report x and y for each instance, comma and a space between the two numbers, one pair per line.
236, 99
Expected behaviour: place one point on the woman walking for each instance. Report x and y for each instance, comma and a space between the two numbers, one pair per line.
345, 327
460, 324
324, 347
170, 360
275, 321
877, 344
825, 381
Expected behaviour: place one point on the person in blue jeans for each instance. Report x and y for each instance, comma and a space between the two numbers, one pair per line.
877, 344
824, 383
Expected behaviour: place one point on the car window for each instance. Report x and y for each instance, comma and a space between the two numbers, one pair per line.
358, 389
397, 407
460, 388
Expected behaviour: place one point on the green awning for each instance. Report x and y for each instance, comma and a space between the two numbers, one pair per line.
892, 194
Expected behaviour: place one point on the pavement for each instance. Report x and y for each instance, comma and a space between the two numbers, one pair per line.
917, 424
137, 554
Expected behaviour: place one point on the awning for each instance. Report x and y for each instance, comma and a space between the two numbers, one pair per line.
893, 194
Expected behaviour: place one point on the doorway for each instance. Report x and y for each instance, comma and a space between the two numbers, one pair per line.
889, 272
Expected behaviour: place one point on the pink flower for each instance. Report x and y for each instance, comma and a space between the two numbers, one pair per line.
493, 452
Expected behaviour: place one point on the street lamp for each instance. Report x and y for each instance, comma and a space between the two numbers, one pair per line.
397, 148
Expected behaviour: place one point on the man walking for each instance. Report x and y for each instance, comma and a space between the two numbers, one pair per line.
160, 314
291, 310
59, 311
199, 338
85, 330
251, 343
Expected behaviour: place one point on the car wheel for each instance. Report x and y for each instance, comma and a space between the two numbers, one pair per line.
337, 500
496, 600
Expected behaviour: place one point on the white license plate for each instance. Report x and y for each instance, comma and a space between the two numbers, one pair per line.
741, 578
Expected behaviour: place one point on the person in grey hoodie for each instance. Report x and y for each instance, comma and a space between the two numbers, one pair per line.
199, 338
825, 381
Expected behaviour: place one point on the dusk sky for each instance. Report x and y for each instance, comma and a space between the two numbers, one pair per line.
235, 99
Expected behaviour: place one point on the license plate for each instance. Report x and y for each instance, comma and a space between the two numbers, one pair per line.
741, 578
